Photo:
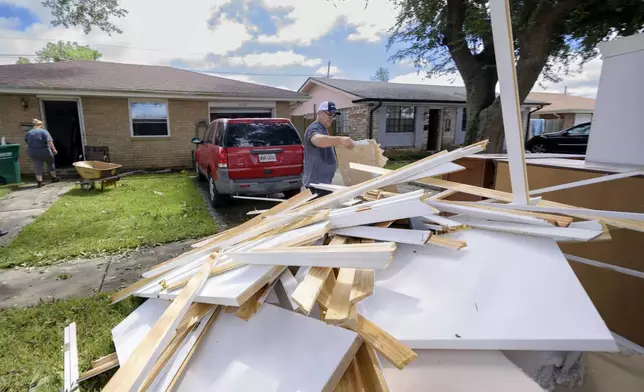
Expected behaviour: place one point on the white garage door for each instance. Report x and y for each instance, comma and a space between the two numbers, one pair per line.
227, 112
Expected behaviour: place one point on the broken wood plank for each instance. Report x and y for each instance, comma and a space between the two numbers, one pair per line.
104, 359
339, 303
392, 349
350, 381
363, 285
136, 368
100, 368
372, 378
251, 306
445, 242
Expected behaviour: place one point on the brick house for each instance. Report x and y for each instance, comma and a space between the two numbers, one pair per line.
397, 115
564, 111
145, 115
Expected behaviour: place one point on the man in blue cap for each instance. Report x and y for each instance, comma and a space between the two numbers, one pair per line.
319, 154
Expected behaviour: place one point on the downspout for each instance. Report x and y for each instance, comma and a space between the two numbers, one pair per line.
371, 119
527, 132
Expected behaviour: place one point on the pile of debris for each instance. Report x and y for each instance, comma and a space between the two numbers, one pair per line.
336, 292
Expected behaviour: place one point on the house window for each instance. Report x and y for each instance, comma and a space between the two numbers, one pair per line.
149, 118
342, 123
400, 119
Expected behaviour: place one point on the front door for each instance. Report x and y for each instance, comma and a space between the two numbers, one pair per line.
432, 124
63, 123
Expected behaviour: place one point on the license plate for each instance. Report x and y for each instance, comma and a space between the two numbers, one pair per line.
267, 158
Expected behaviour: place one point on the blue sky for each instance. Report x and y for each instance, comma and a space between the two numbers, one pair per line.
288, 39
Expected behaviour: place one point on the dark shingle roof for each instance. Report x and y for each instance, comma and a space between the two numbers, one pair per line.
117, 77
369, 90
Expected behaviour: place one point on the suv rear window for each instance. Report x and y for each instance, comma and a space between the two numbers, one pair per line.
261, 135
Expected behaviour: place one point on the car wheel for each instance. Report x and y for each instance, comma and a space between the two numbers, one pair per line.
539, 148
216, 198
291, 193
199, 175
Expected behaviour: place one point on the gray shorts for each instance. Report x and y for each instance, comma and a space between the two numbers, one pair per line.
40, 157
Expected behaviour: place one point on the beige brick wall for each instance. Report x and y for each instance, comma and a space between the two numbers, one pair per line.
448, 125
358, 122
11, 116
107, 124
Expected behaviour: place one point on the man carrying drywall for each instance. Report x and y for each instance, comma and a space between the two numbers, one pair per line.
320, 162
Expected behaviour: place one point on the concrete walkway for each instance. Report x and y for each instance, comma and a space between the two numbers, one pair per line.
81, 278
22, 206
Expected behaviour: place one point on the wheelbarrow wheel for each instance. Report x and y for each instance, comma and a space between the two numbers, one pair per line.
87, 186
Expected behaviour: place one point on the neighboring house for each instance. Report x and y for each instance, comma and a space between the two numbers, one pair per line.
146, 115
564, 111
396, 115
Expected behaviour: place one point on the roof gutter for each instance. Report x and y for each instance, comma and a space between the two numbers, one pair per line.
527, 132
371, 118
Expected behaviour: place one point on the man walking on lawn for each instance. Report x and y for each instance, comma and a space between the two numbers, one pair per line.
320, 161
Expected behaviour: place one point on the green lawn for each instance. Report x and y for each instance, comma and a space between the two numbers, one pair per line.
31, 340
5, 189
141, 210
393, 165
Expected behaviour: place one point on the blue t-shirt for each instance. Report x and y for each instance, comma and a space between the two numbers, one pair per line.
319, 162
37, 139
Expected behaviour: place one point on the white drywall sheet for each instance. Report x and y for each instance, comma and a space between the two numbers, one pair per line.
131, 331
616, 134
503, 292
267, 353
458, 371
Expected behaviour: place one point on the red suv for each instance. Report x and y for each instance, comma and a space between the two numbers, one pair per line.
249, 156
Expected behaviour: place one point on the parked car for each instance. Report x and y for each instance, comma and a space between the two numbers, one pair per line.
250, 156
569, 141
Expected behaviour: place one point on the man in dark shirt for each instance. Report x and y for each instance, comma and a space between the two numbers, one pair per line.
319, 154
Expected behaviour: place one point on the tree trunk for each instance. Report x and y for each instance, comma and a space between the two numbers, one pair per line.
480, 95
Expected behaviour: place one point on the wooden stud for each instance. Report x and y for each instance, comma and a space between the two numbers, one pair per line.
363, 285
392, 349
104, 359
309, 289
445, 242
350, 381
100, 368
372, 378
251, 306
339, 303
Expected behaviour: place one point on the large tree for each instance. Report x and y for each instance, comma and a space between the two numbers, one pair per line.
448, 36
63, 51
87, 14
381, 75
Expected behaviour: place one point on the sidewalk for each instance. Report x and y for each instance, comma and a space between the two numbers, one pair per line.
22, 206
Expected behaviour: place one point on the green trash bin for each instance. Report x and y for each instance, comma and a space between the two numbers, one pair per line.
9, 166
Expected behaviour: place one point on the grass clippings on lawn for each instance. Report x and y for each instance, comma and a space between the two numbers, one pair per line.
141, 211
31, 341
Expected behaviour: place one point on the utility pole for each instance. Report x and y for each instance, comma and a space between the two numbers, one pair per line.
60, 50
328, 70
565, 89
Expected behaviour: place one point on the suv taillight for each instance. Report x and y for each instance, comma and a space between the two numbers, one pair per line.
223, 159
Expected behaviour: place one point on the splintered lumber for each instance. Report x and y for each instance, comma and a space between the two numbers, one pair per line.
479, 213
558, 220
445, 242
100, 366
558, 233
252, 304
363, 284
373, 256
404, 236
393, 177
340, 304
392, 349
351, 380
70, 358
136, 368
372, 378
306, 292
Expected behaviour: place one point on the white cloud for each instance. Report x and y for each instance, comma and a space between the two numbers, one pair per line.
333, 71
420, 78
171, 31
582, 83
312, 19
9, 23
276, 59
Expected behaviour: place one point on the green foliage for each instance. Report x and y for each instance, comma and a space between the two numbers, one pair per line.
31, 340
23, 60
87, 14
140, 211
66, 51
381, 75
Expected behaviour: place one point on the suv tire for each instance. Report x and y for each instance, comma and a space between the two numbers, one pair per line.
216, 198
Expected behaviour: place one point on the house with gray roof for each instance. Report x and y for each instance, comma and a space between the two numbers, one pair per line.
397, 115
145, 115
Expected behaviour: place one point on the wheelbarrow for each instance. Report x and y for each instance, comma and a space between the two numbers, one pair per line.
96, 171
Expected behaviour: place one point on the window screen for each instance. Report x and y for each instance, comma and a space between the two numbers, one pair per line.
261, 135
400, 119
149, 118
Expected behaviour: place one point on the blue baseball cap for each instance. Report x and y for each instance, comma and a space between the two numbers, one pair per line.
328, 106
